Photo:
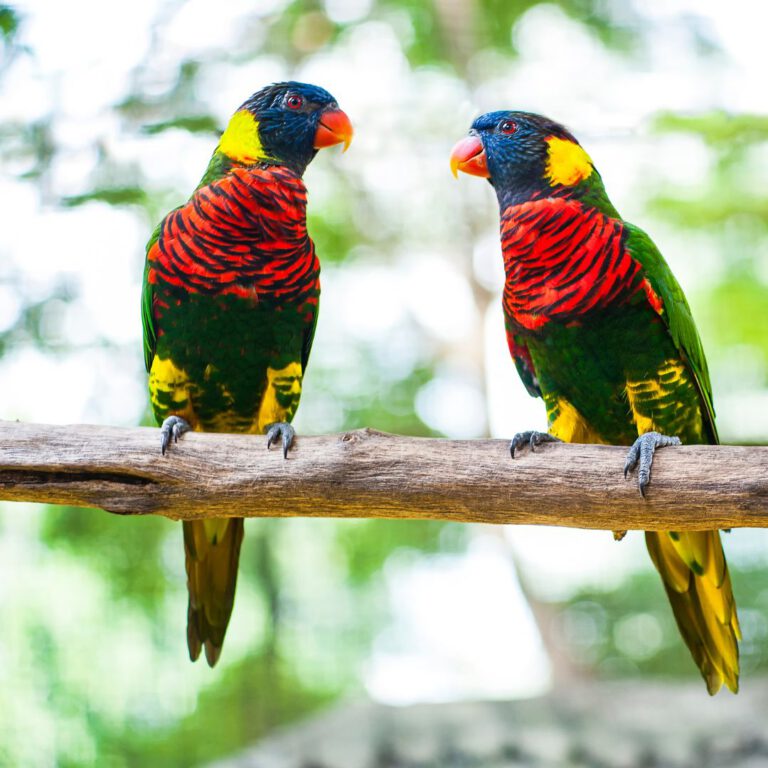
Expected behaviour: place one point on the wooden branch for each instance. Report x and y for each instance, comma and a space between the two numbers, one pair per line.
371, 474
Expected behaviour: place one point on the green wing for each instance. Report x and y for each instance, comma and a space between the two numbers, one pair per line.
675, 313
309, 337
523, 362
150, 337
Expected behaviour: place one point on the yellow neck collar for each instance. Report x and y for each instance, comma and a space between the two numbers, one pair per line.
240, 141
567, 163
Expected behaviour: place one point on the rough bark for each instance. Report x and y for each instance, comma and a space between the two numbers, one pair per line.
371, 474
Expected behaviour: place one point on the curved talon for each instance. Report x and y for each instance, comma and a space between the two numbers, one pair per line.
531, 438
281, 430
172, 427
642, 452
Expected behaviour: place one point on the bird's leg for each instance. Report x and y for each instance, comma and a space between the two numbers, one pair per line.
531, 438
173, 427
642, 452
278, 430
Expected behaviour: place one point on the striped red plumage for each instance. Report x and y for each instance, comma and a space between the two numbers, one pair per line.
244, 234
563, 259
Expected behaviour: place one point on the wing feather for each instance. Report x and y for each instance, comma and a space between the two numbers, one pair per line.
668, 299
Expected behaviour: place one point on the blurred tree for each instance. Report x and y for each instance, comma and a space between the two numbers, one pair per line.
731, 206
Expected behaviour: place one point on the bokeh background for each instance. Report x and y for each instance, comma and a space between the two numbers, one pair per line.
108, 113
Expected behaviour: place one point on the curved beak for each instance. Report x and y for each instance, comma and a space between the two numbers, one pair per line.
469, 156
334, 128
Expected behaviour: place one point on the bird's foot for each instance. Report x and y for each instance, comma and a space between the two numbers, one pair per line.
641, 453
531, 438
281, 430
173, 427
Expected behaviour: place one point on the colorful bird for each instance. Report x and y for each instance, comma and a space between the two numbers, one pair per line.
229, 306
599, 328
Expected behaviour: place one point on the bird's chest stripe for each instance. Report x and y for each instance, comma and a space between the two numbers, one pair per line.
244, 235
563, 260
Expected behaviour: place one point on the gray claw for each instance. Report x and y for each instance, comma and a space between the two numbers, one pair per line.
281, 430
531, 438
172, 427
641, 453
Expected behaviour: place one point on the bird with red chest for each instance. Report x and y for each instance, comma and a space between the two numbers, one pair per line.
229, 307
600, 329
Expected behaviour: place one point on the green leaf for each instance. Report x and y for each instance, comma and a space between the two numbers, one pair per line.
192, 123
110, 195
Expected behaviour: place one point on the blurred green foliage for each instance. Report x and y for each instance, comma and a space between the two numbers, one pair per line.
728, 132
285, 567
110, 195
630, 631
733, 209
128, 556
9, 23
253, 696
191, 123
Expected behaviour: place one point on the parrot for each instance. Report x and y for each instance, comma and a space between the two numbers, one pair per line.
599, 328
229, 307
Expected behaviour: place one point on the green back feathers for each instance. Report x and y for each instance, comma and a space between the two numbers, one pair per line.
675, 313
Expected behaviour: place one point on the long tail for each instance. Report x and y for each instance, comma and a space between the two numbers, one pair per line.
212, 552
693, 568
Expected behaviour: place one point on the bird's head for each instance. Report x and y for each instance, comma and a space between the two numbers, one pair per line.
285, 124
522, 154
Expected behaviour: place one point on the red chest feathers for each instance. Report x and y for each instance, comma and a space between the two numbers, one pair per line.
563, 260
245, 234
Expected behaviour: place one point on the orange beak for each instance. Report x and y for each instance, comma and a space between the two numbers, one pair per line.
334, 128
469, 156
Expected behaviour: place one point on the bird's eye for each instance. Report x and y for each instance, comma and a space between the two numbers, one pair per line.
507, 126
294, 101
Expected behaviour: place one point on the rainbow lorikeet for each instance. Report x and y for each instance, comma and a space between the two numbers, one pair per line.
229, 306
599, 328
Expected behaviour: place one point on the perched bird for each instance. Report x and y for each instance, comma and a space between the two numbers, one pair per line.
599, 328
229, 306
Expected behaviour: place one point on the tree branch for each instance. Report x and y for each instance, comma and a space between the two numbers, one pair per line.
372, 474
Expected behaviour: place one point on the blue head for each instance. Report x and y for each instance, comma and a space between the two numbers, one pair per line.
522, 154
285, 124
